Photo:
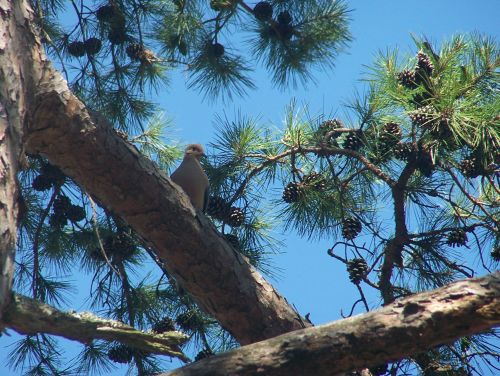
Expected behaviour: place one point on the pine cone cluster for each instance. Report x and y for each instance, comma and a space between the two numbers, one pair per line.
404, 151
92, 46
293, 192
424, 67
263, 11
457, 238
217, 207
407, 79
63, 210
50, 176
117, 35
119, 245
389, 136
166, 324
423, 116
469, 167
106, 13
357, 269
425, 163
176, 41
281, 27
330, 124
120, 354
351, 227
236, 217
190, 321
216, 50
392, 131
325, 128
285, 27
353, 141
112, 18
135, 51
423, 70
76, 48
315, 180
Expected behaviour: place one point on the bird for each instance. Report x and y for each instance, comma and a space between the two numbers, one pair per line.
191, 177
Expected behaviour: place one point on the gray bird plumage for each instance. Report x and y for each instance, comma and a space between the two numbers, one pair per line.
191, 177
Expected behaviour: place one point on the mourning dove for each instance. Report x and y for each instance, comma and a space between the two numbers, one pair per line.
191, 177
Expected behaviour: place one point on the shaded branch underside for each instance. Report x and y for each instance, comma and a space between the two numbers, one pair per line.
28, 316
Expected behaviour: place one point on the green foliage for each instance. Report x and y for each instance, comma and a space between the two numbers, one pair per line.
314, 36
392, 213
151, 144
38, 355
218, 75
398, 212
115, 52
92, 360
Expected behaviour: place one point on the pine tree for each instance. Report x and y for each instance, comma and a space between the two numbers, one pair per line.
427, 137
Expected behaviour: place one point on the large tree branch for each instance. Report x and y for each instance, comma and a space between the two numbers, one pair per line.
401, 329
27, 316
220, 280
87, 149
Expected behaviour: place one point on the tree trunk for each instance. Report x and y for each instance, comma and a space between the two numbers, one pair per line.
17, 45
398, 330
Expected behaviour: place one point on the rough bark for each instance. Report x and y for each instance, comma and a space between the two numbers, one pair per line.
8, 212
399, 330
87, 149
27, 316
17, 47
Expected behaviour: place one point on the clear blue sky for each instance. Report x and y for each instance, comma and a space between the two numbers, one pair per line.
311, 280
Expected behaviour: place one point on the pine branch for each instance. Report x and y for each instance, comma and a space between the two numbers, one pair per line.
401, 329
351, 153
28, 316
316, 150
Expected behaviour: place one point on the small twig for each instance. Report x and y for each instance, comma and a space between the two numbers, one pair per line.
443, 230
472, 199
352, 309
363, 297
99, 239
36, 262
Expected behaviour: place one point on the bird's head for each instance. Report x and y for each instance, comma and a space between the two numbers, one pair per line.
195, 151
